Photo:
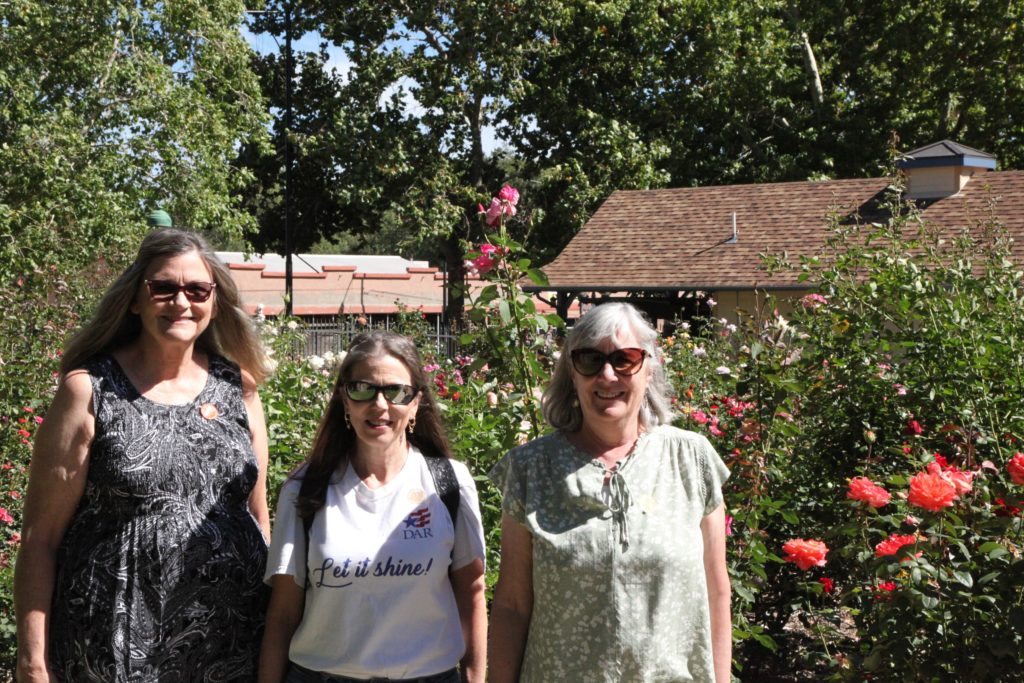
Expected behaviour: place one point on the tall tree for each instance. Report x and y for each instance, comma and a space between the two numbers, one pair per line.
602, 95
398, 145
108, 108
924, 71
111, 106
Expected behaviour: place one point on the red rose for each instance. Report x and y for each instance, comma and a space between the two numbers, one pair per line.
883, 589
827, 584
805, 554
914, 427
863, 489
931, 491
1016, 468
892, 545
1003, 510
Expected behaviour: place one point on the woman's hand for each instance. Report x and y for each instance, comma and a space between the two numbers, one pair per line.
34, 673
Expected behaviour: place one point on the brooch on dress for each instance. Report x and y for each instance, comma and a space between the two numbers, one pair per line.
209, 411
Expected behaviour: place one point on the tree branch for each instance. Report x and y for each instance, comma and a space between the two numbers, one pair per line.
811, 67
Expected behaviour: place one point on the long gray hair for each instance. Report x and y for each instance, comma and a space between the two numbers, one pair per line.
230, 333
559, 404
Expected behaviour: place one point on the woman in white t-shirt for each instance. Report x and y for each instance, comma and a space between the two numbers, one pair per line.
390, 586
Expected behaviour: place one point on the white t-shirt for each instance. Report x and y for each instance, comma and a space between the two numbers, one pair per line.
380, 602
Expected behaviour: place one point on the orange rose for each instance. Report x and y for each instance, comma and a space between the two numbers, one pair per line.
863, 489
931, 491
805, 554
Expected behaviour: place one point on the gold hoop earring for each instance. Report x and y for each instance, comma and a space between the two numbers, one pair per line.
412, 424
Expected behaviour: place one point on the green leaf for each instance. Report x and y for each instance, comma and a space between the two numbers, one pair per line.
537, 276
964, 578
991, 576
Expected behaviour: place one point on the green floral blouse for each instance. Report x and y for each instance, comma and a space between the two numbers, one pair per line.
619, 592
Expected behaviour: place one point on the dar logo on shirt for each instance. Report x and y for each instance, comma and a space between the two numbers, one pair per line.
417, 524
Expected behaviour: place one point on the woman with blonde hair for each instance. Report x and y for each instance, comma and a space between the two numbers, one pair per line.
146, 520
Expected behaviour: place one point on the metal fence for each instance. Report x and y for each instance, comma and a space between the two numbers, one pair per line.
334, 333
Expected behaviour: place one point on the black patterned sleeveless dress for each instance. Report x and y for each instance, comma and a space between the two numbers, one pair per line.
159, 577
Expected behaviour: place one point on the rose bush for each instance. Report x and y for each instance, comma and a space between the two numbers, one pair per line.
877, 416
893, 387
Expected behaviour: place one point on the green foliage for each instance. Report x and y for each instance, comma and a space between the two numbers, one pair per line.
904, 358
293, 399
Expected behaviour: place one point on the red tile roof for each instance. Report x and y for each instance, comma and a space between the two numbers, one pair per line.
674, 239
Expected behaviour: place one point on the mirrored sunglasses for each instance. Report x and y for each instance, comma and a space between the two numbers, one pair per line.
395, 394
589, 362
165, 290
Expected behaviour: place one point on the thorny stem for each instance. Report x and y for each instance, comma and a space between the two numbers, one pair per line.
820, 632
511, 295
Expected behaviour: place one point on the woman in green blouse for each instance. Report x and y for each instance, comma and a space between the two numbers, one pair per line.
613, 528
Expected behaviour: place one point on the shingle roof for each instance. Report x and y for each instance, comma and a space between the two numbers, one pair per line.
675, 238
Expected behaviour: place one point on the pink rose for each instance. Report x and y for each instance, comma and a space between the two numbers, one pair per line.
813, 301
960, 480
497, 208
509, 194
489, 255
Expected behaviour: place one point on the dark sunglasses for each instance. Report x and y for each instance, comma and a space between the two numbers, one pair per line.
165, 290
589, 362
395, 394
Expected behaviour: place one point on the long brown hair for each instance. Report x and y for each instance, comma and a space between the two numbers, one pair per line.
335, 441
230, 334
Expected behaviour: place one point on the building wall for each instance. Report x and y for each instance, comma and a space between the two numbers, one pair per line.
746, 304
342, 290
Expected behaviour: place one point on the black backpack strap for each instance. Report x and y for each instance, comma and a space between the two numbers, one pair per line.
307, 524
447, 485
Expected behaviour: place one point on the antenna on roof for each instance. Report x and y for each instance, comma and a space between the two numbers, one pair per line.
735, 233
